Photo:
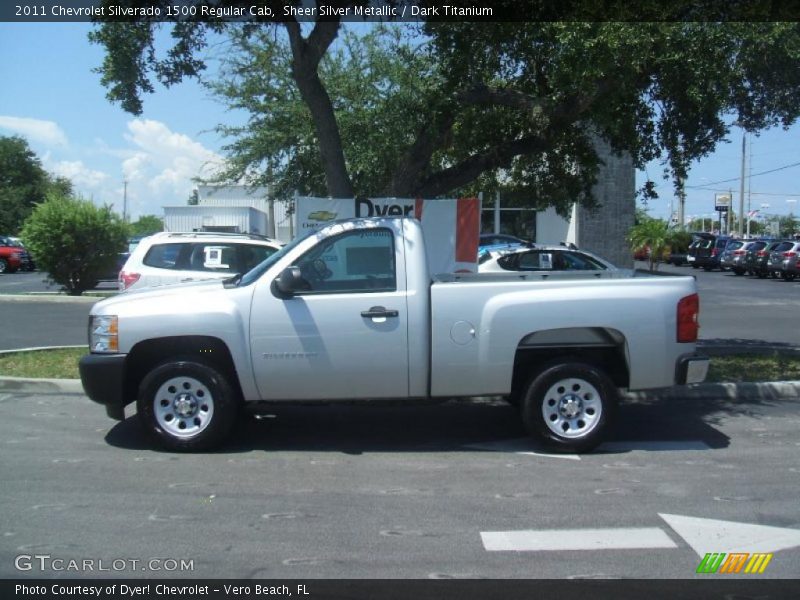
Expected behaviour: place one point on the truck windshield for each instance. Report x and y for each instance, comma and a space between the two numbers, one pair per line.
262, 267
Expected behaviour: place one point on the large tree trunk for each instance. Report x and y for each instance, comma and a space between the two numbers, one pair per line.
307, 54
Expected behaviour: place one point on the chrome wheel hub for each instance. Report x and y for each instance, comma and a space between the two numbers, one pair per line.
183, 406
572, 408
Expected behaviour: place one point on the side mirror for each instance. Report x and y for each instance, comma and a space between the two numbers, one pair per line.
289, 282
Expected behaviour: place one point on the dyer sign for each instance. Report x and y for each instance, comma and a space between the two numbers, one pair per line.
451, 226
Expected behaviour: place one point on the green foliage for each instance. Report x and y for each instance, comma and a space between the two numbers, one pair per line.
653, 235
146, 225
74, 240
23, 183
452, 108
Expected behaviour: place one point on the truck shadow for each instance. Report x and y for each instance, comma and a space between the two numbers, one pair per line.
649, 423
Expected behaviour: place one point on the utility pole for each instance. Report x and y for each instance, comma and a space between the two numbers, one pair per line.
124, 200
741, 189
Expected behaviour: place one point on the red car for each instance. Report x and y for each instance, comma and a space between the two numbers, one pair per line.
12, 257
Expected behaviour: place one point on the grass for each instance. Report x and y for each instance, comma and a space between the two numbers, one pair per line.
46, 364
739, 368
63, 364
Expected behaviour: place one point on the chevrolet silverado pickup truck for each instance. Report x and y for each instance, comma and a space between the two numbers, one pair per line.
350, 312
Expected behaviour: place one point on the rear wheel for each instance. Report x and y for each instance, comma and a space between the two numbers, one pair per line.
570, 406
187, 406
3, 265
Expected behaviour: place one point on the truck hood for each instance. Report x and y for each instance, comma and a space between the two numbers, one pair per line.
160, 293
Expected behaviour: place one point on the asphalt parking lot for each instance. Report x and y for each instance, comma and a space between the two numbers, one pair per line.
446, 491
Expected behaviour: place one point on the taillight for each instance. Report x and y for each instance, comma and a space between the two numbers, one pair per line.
127, 279
714, 252
790, 254
762, 253
739, 252
688, 324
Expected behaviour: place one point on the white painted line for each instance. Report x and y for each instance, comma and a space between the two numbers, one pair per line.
664, 446
710, 535
550, 540
525, 446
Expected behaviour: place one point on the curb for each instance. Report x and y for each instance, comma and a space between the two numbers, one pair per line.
26, 385
736, 392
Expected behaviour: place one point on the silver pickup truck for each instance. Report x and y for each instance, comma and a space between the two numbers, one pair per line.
351, 313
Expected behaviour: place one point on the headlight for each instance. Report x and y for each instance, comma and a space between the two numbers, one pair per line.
103, 334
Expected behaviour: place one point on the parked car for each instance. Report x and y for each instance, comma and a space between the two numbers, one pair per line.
760, 264
351, 313
699, 239
751, 255
498, 240
13, 257
789, 266
169, 257
31, 266
735, 255
709, 251
775, 260
543, 258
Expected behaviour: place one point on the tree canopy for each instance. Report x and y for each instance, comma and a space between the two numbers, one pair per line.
23, 183
435, 108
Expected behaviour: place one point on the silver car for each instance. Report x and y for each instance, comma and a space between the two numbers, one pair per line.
790, 267
775, 260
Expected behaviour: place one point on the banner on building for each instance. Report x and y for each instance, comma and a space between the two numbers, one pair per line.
451, 226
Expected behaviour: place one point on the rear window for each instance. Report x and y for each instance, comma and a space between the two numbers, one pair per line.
734, 245
783, 247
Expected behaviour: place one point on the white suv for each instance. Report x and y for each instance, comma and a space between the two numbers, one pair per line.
169, 257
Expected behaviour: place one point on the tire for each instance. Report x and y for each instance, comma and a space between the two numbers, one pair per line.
570, 406
3, 265
761, 275
787, 276
694, 266
738, 272
187, 406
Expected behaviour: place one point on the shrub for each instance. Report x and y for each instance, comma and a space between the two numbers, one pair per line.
74, 241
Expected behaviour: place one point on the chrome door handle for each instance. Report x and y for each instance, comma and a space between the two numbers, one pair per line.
378, 312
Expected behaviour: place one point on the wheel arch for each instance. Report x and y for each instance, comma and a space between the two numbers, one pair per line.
148, 354
604, 348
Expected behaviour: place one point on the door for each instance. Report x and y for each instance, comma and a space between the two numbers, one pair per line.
346, 334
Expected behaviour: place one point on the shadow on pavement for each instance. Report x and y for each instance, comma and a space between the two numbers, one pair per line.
643, 424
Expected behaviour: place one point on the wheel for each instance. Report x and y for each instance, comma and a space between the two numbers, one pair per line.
708, 269
761, 274
738, 272
787, 276
694, 266
3, 265
570, 406
187, 406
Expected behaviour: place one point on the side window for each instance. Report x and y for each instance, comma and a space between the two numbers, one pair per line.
536, 261
358, 261
252, 255
217, 257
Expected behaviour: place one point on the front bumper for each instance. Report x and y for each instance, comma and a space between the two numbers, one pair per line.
691, 368
103, 377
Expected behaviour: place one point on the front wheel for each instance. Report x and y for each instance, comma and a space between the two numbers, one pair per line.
570, 406
187, 406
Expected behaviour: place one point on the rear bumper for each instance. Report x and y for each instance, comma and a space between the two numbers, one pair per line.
691, 368
102, 376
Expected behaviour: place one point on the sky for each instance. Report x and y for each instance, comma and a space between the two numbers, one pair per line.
51, 97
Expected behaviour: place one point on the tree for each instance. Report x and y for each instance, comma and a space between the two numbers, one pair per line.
146, 225
23, 183
74, 240
465, 105
653, 236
